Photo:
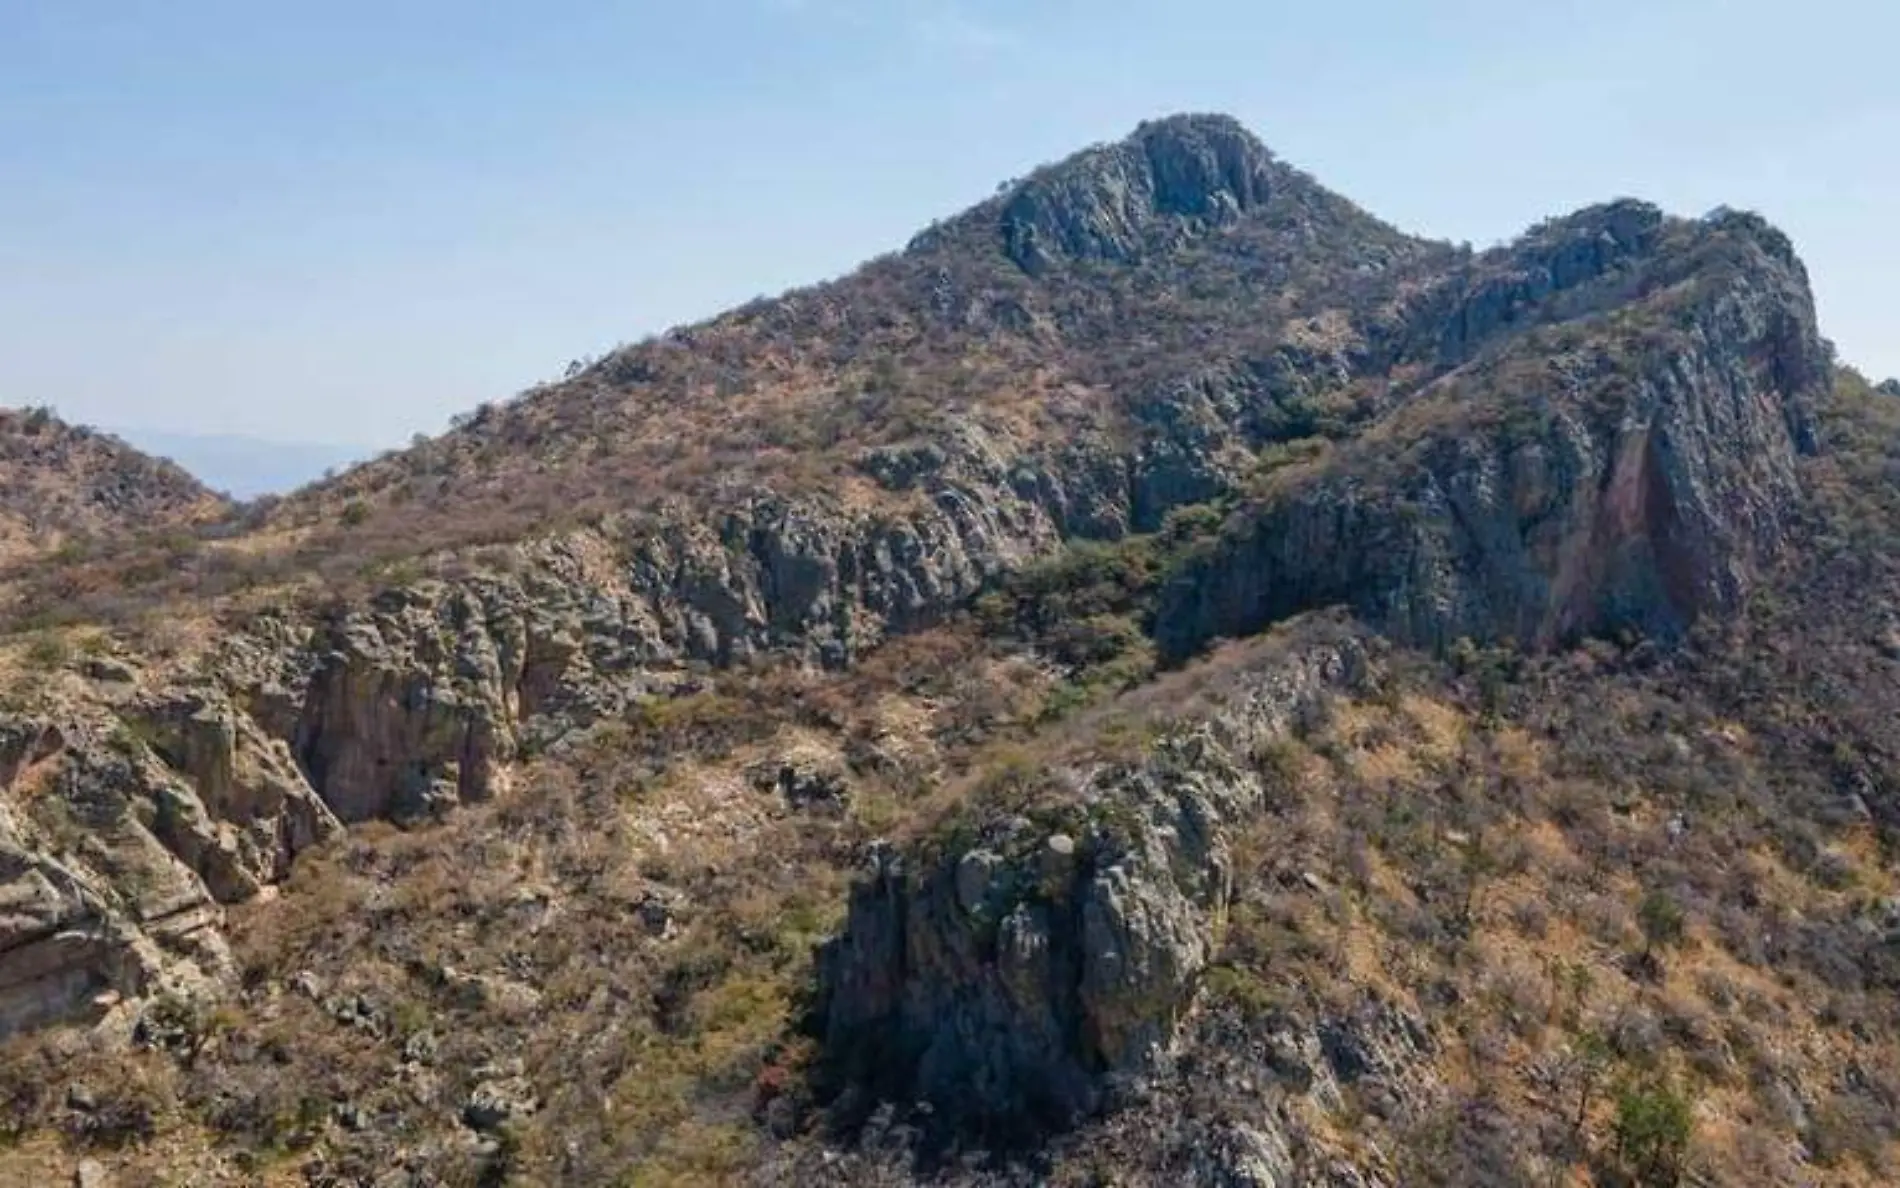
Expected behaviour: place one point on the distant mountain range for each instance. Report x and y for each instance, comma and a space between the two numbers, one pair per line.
245, 467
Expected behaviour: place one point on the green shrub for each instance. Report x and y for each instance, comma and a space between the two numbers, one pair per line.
1654, 1124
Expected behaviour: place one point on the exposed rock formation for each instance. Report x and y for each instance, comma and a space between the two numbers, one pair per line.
1636, 475
1113, 203
121, 837
1010, 982
94, 902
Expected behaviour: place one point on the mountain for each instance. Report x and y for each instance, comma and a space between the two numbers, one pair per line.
60, 481
1165, 679
246, 467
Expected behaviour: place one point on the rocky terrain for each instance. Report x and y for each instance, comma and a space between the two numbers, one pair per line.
1167, 679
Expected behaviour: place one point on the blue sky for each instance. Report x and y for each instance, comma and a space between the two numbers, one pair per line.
345, 221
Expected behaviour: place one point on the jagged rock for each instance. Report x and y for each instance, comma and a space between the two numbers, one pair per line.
1556, 261
157, 818
91, 900
1592, 493
497, 1101
1376, 1052
244, 779
419, 1048
808, 778
486, 991
1007, 1003
1241, 1156
403, 699
358, 1011
1174, 178
656, 912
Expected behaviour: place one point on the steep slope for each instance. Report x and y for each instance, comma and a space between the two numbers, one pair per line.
1629, 466
59, 482
839, 619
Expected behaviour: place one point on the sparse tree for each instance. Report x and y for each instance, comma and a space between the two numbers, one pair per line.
1589, 1057
1654, 1124
1661, 919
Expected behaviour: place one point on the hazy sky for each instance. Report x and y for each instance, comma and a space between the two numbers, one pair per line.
346, 221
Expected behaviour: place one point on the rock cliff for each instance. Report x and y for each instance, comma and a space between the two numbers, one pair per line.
1635, 467
1010, 980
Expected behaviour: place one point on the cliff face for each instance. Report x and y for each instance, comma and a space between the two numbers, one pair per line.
123, 835
1633, 466
1011, 980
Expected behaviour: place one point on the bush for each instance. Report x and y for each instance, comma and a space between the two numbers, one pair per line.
1654, 1124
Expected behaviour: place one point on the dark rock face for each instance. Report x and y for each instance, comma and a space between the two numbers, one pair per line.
1011, 983
1555, 260
1173, 179
1634, 476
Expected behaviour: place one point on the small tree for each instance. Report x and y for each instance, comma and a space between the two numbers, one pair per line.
1589, 1057
1661, 920
1476, 864
1654, 1124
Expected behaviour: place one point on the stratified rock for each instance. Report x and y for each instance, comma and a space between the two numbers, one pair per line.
92, 901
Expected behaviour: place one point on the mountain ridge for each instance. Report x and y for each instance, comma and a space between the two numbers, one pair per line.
1165, 679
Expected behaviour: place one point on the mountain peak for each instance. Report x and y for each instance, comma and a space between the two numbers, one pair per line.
1197, 128
1174, 175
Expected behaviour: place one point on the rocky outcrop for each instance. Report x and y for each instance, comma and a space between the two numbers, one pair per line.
1172, 179
1634, 472
1552, 274
106, 870
1012, 979
240, 809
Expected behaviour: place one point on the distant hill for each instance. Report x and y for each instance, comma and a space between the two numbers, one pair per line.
246, 467
58, 480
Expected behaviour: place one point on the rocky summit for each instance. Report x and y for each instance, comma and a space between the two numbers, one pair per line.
1166, 679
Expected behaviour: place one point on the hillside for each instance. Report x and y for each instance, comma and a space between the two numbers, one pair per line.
1166, 679
61, 483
